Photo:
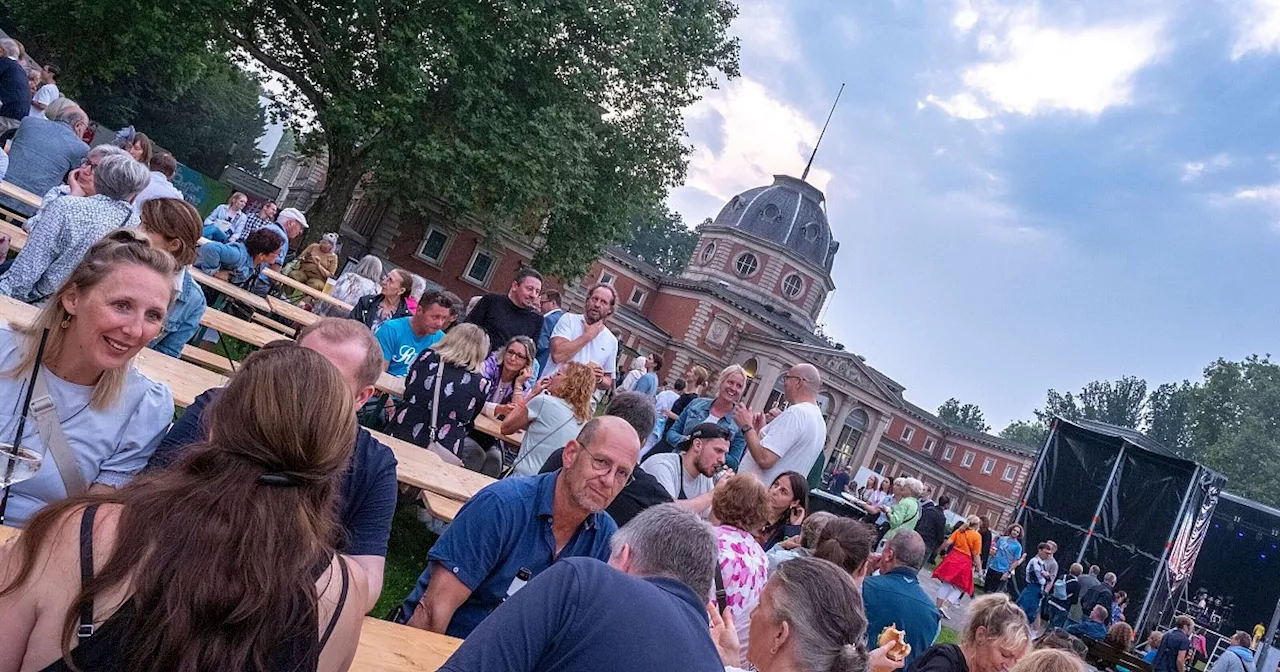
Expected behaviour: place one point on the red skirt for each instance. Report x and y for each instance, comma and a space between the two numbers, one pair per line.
957, 570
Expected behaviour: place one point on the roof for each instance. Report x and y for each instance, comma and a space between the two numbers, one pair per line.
969, 434
1133, 436
788, 212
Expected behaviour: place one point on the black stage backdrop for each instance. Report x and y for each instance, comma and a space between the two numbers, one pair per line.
1241, 561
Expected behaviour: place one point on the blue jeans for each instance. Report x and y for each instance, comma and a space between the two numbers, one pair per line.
1029, 600
214, 233
213, 257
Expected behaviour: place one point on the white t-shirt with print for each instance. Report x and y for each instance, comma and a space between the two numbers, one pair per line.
796, 437
603, 349
668, 469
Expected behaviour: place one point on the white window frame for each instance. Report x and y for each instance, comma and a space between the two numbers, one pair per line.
737, 261
444, 249
930, 445
1010, 473
880, 467
948, 452
466, 271
970, 509
799, 291
607, 277
967, 461
908, 433
637, 302
988, 465
708, 253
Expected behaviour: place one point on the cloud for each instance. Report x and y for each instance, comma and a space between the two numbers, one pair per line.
1030, 68
966, 17
1269, 194
751, 136
768, 29
1192, 170
1257, 27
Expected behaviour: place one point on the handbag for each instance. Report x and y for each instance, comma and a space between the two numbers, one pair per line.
434, 446
50, 429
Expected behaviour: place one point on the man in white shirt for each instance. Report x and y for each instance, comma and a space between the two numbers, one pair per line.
47, 93
163, 167
584, 338
687, 475
793, 440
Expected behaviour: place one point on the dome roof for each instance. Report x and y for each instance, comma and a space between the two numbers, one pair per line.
788, 212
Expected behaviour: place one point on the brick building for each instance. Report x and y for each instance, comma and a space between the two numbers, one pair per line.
751, 294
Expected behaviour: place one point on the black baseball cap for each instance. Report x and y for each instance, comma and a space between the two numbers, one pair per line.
707, 430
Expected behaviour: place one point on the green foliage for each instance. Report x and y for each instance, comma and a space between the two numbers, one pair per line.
1029, 433
661, 238
1120, 403
967, 415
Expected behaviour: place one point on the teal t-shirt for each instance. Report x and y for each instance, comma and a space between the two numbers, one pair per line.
400, 346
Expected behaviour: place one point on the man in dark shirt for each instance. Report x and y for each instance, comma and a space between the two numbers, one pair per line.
1101, 594
645, 610
1175, 647
367, 498
512, 314
932, 525
1094, 628
644, 490
15, 93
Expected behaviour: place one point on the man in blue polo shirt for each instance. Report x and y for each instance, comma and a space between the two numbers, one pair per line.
645, 610
367, 498
518, 527
894, 597
404, 338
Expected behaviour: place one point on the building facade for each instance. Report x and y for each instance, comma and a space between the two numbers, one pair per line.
752, 294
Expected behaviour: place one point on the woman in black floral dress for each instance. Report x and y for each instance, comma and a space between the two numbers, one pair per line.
460, 354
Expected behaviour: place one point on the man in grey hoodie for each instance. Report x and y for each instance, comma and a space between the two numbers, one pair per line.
1238, 657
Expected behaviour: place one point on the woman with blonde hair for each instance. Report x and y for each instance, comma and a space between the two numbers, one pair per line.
107, 416
174, 226
223, 561
963, 560
352, 286
443, 392
723, 409
550, 420
1050, 660
995, 638
389, 304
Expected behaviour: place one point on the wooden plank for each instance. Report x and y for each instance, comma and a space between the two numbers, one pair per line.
441, 507
390, 384
490, 425
17, 237
291, 312
276, 276
19, 194
391, 647
233, 326
209, 360
248, 298
272, 324
421, 468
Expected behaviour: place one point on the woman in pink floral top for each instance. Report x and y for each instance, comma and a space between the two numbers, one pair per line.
741, 504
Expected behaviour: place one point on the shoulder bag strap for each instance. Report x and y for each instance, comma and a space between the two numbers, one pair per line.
85, 628
50, 428
435, 398
342, 599
511, 470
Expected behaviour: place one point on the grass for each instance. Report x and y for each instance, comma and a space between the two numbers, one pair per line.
406, 558
947, 636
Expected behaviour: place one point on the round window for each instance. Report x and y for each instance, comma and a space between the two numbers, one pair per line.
747, 264
792, 285
708, 252
771, 212
811, 231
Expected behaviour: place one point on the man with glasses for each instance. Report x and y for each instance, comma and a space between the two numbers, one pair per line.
793, 440
516, 528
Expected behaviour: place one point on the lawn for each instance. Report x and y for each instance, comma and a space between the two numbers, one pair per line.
947, 636
406, 557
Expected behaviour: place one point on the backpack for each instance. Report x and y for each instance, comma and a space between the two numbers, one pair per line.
1060, 589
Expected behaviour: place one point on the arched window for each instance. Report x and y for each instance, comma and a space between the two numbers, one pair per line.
855, 426
746, 264
708, 253
792, 285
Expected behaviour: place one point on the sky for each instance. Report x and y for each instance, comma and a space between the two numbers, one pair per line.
1027, 195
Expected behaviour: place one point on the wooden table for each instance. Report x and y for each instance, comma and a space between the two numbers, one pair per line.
231, 291
391, 647
17, 237
441, 507
19, 194
390, 384
421, 468
276, 276
291, 312
248, 332
493, 427
274, 326
209, 360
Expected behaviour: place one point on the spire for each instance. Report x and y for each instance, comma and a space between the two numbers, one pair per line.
809, 165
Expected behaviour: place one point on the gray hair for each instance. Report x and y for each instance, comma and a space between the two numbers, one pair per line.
1109, 578
370, 267
10, 48
71, 115
913, 486
908, 548
419, 286
120, 177
101, 152
637, 410
824, 609
667, 541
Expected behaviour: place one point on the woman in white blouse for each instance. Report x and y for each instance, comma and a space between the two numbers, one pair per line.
111, 416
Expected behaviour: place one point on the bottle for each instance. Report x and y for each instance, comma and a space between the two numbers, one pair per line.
522, 577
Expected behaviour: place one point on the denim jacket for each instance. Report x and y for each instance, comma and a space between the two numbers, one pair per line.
183, 319
695, 414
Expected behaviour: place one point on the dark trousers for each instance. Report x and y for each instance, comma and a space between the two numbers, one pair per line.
993, 582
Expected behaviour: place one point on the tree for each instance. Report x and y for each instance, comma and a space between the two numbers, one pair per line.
661, 238
1168, 416
1120, 403
968, 415
1029, 433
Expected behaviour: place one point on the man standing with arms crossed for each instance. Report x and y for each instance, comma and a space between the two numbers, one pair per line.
794, 440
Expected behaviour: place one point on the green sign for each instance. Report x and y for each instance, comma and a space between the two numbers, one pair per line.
200, 190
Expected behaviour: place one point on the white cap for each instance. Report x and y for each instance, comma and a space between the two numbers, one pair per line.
331, 237
294, 214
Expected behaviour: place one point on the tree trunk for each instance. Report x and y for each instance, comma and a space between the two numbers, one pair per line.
346, 167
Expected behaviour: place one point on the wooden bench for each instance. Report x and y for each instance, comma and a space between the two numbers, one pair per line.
209, 360
250, 333
19, 194
441, 507
230, 291
1106, 657
291, 312
17, 237
276, 276
276, 326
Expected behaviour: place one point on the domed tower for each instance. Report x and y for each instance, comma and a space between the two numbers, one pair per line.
771, 244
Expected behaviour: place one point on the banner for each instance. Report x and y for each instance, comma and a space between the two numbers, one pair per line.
200, 190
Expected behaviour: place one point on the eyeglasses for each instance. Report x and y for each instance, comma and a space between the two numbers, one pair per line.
521, 357
603, 467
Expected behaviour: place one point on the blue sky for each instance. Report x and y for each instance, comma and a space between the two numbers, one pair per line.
1027, 195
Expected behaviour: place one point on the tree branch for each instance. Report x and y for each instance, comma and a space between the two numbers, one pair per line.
317, 41
308, 89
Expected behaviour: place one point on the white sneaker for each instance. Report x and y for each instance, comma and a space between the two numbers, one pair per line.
945, 616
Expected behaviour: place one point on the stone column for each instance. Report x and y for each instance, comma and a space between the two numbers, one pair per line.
867, 447
835, 424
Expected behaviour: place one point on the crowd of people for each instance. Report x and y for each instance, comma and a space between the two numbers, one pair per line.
664, 526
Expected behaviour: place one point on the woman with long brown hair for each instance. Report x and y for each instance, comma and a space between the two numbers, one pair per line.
108, 416
550, 420
174, 226
788, 502
223, 561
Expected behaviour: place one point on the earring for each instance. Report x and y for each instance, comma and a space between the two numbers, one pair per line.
66, 322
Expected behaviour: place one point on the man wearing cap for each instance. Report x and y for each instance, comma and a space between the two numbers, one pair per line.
318, 262
687, 475
289, 224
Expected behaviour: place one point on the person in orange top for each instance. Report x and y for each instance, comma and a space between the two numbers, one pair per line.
964, 558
